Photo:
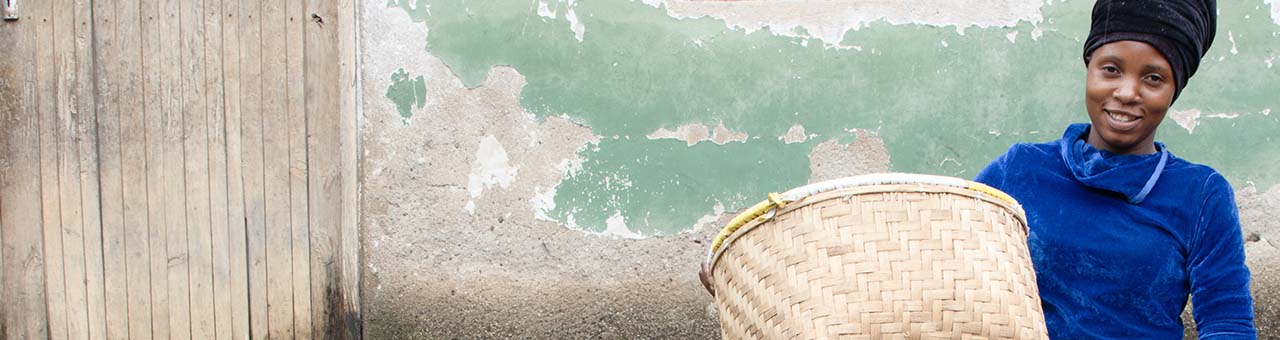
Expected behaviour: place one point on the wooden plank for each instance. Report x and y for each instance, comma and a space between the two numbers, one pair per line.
348, 151
297, 142
251, 92
195, 144
275, 143
323, 164
47, 110
23, 309
331, 101
155, 102
236, 232
217, 151
177, 256
87, 148
107, 75
133, 30
66, 157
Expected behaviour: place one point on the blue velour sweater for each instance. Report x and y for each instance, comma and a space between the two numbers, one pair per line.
1120, 241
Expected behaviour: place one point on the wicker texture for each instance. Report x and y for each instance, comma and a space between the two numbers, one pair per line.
881, 262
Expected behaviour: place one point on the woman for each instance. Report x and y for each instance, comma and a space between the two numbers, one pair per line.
1122, 231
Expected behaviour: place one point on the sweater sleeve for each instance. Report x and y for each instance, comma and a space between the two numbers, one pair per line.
1219, 279
996, 171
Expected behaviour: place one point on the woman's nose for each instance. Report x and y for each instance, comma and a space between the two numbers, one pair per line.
1127, 91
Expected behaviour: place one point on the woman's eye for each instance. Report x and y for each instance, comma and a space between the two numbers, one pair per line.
1155, 79
1110, 69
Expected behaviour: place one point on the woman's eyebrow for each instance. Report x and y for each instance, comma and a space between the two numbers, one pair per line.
1154, 68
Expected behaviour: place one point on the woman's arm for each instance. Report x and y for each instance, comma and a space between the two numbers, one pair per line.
1220, 296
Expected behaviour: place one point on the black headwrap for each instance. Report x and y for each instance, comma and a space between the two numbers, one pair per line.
1181, 30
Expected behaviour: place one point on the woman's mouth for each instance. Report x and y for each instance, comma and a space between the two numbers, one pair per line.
1121, 120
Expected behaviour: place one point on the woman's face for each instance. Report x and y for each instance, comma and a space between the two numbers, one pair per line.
1127, 92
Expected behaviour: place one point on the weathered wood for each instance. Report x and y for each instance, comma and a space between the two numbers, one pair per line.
155, 105
348, 99
108, 73
133, 33
297, 141
22, 290
47, 110
251, 120
217, 151
67, 159
177, 266
275, 143
195, 149
323, 164
87, 149
235, 18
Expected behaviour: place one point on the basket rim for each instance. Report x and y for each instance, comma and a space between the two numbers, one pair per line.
714, 254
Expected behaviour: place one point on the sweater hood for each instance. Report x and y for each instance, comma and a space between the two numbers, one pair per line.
1132, 176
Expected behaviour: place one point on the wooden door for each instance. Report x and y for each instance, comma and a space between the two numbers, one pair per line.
178, 169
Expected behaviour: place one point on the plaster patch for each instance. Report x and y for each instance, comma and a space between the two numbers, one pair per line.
616, 227
829, 20
722, 135
831, 159
695, 133
1036, 33
794, 135
1012, 36
1187, 119
545, 11
1232, 37
1275, 10
489, 168
707, 220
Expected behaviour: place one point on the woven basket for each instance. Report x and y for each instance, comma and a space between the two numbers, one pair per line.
889, 256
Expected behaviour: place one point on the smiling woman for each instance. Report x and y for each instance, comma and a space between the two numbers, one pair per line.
1127, 94
1128, 231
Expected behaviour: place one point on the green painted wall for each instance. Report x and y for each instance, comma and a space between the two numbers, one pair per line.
943, 102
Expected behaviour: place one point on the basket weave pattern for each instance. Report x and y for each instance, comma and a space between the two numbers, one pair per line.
881, 262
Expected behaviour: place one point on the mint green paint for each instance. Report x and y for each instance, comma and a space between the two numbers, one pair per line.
406, 92
942, 110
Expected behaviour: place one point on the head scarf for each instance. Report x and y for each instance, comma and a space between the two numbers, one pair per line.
1181, 30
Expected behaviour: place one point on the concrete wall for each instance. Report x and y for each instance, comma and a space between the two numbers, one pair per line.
548, 168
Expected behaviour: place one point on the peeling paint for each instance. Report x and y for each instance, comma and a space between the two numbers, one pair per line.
795, 134
407, 93
644, 73
1275, 10
1012, 36
616, 227
489, 168
1187, 119
829, 20
692, 134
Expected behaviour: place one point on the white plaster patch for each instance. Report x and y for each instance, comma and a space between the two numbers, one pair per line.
1036, 33
1187, 119
1232, 37
696, 133
708, 219
794, 135
1269, 61
545, 11
1190, 119
829, 20
574, 24
490, 168
542, 202
616, 227
1012, 36
1275, 10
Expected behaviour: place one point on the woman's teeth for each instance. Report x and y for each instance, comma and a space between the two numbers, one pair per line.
1121, 117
